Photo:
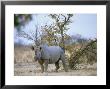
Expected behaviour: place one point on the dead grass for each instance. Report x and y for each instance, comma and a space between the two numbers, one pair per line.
23, 54
33, 69
24, 65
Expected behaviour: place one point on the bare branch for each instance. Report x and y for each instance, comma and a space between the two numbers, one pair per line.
64, 17
25, 35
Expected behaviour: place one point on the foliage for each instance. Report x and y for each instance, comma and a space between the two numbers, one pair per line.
61, 23
89, 51
21, 19
49, 35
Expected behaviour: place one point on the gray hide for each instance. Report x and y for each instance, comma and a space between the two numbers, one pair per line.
50, 55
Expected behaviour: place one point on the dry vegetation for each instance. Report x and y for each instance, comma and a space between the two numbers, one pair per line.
24, 65
81, 53
23, 54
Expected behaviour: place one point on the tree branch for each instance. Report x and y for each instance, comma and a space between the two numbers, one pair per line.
25, 35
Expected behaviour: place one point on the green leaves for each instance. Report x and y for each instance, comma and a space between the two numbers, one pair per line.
59, 27
21, 19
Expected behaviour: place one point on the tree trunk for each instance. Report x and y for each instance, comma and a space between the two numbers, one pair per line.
63, 43
36, 38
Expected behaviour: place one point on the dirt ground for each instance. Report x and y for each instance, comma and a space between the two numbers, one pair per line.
33, 69
24, 65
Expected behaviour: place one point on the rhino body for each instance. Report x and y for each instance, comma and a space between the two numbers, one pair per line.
50, 55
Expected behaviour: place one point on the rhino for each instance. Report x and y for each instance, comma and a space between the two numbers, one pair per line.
45, 55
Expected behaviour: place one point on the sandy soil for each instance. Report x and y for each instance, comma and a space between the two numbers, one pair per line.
33, 69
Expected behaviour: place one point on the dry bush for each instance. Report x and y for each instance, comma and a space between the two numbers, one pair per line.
85, 54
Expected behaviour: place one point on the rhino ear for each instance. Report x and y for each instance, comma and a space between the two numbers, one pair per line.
40, 48
32, 47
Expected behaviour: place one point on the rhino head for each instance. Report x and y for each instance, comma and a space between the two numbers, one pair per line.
37, 50
40, 52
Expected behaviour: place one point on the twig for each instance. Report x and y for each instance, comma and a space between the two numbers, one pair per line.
25, 35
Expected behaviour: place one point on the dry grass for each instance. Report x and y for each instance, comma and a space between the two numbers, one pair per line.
24, 65
23, 54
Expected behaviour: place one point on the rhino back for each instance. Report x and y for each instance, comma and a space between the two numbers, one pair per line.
55, 53
52, 53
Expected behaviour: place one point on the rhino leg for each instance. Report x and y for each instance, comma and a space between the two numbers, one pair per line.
42, 68
57, 66
45, 65
64, 63
41, 64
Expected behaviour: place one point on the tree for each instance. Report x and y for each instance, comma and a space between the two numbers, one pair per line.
50, 32
21, 19
61, 23
49, 35
33, 37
